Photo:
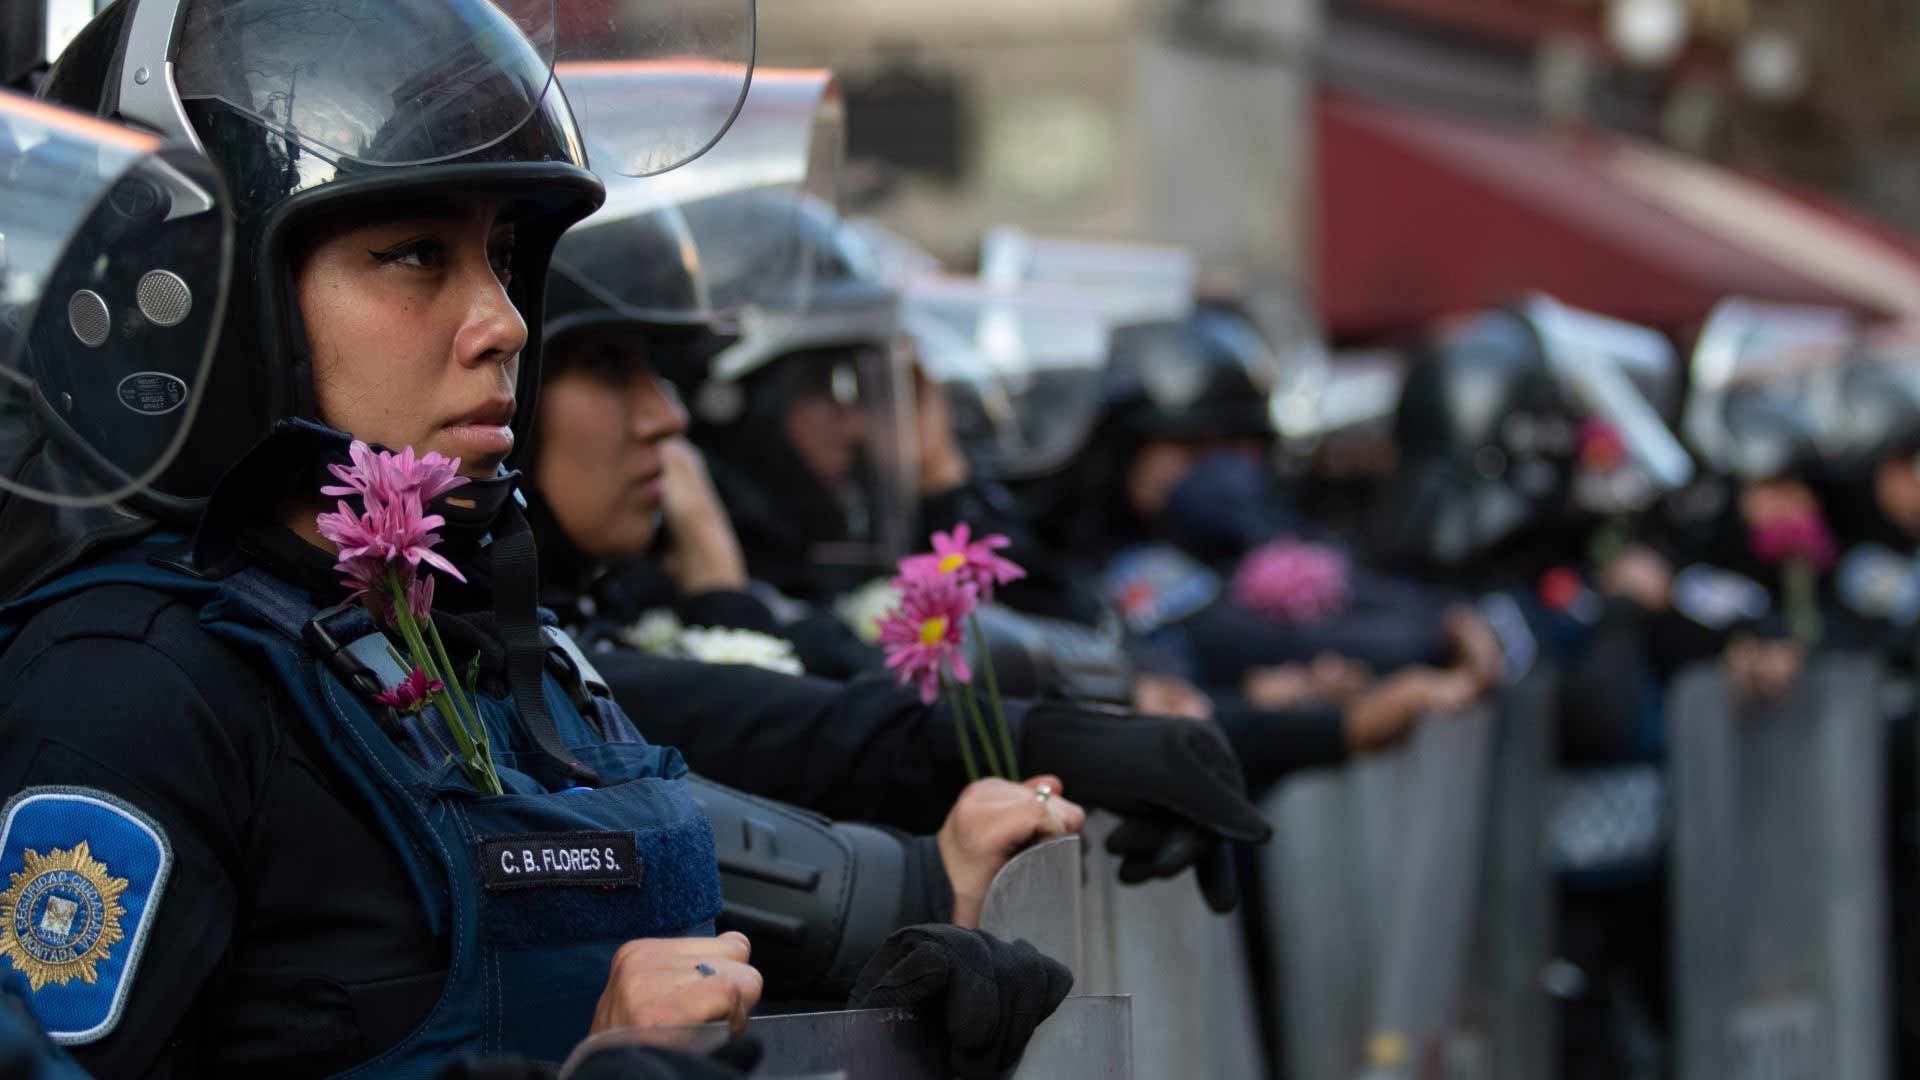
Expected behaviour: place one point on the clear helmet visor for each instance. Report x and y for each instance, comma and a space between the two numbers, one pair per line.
406, 82
1754, 370
115, 252
744, 224
1021, 369
1608, 367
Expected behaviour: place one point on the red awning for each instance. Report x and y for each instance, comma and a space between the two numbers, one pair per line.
1419, 216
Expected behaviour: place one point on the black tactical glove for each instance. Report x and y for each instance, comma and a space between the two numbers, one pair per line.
1175, 781
989, 994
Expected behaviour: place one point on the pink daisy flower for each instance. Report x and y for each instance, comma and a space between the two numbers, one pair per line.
924, 635
972, 563
1796, 536
1292, 582
386, 476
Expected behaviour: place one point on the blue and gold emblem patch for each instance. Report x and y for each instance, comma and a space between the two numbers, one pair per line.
83, 873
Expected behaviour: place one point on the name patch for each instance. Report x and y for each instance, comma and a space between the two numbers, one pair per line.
540, 860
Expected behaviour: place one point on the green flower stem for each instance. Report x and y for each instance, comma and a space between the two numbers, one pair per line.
468, 734
453, 684
960, 728
1608, 543
980, 728
993, 699
1803, 605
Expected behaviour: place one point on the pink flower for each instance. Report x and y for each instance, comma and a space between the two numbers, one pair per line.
411, 693
386, 476
1801, 535
1291, 581
389, 533
924, 634
420, 598
1602, 450
973, 563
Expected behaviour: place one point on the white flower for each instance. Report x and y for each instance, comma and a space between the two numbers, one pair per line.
716, 645
656, 632
863, 608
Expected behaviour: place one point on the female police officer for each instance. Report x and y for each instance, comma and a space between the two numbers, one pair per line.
222, 855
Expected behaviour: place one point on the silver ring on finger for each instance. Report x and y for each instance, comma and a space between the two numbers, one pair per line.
1043, 793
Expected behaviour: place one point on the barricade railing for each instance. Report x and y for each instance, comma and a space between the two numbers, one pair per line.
1779, 886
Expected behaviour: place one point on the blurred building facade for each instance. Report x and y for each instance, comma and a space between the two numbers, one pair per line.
1183, 121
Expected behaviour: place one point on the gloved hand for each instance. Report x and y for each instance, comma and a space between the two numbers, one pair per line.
990, 994
1176, 781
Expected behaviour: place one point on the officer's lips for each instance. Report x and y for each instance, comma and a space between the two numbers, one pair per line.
483, 434
653, 488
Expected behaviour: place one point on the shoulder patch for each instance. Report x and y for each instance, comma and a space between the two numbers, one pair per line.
81, 873
1718, 599
1156, 584
1878, 583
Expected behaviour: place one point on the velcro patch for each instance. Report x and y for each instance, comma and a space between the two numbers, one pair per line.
1154, 585
81, 874
539, 860
1719, 599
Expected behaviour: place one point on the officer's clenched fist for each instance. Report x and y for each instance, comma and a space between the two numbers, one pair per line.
658, 982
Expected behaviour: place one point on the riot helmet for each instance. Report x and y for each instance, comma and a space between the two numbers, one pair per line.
1208, 376
321, 109
1524, 420
1021, 368
1754, 373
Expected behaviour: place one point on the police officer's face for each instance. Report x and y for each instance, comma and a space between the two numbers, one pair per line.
1896, 486
1159, 467
827, 433
414, 341
600, 467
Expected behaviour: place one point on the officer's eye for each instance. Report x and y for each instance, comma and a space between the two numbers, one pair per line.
502, 260
421, 253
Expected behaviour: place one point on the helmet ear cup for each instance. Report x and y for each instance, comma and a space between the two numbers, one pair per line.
119, 345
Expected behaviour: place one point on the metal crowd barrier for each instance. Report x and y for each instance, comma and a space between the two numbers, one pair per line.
1778, 877
1413, 906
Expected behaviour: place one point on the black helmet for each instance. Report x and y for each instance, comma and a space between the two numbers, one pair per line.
1210, 374
826, 333
310, 109
281, 178
1535, 417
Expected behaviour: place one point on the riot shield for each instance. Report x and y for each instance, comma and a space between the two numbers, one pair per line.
1376, 874
1183, 966
1085, 1039
1038, 898
1779, 889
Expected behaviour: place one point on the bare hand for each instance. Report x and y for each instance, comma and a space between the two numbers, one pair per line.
1279, 687
703, 553
992, 821
1639, 575
943, 466
1385, 714
663, 982
1339, 680
1763, 669
1476, 647
1170, 695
